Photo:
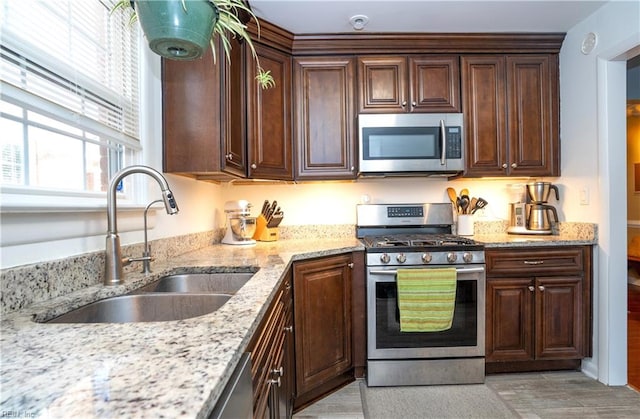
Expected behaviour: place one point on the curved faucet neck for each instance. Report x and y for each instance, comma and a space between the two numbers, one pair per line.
112, 226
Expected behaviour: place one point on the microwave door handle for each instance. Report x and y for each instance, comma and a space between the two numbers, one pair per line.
443, 141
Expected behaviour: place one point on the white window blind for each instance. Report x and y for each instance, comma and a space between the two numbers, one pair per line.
69, 105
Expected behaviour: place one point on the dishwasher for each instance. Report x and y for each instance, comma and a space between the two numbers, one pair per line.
236, 400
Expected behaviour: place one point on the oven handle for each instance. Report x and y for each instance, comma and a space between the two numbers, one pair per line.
458, 270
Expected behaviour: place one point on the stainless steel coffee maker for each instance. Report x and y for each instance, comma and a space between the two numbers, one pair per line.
534, 216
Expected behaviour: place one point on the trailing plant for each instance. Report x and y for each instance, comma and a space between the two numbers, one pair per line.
227, 26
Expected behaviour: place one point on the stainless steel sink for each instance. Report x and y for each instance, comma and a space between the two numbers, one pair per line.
149, 307
219, 282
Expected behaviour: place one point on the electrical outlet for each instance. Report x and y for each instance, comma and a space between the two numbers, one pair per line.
584, 196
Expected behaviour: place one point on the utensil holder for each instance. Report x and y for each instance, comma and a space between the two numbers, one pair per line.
465, 225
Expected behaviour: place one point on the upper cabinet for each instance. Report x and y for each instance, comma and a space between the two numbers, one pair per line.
511, 110
192, 102
397, 84
324, 117
269, 142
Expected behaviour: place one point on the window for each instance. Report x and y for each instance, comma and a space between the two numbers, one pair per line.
69, 105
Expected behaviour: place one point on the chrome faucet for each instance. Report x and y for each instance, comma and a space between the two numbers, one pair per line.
114, 262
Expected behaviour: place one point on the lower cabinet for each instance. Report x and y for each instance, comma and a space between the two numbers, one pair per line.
312, 339
272, 368
538, 308
323, 326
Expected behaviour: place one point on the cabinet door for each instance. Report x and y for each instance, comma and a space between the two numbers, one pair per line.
191, 98
483, 92
325, 139
322, 313
434, 83
533, 118
234, 127
509, 320
383, 84
559, 320
269, 117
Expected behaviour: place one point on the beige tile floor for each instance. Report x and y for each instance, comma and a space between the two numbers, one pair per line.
532, 395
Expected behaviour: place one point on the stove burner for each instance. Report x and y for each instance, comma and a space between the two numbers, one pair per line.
421, 240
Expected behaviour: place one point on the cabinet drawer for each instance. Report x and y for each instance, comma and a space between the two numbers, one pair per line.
535, 261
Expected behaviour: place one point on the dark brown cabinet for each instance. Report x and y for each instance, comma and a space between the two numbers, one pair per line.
193, 135
272, 367
324, 118
538, 308
422, 83
323, 326
269, 142
511, 107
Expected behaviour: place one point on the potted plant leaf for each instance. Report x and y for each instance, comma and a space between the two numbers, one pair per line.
183, 29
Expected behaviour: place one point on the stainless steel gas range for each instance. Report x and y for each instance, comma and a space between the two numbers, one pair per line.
419, 236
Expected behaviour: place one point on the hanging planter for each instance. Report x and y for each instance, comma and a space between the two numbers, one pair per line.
182, 29
177, 29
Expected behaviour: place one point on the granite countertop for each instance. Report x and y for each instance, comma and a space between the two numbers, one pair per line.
158, 369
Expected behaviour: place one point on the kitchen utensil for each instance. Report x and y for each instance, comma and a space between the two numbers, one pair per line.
453, 196
479, 205
272, 210
464, 203
464, 191
265, 207
459, 205
472, 205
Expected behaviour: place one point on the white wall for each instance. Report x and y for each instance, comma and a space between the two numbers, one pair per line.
592, 97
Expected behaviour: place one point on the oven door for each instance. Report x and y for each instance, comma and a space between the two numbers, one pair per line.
465, 338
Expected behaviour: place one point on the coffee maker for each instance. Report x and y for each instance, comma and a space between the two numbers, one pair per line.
240, 225
532, 215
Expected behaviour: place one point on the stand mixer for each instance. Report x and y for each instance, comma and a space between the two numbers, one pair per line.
240, 225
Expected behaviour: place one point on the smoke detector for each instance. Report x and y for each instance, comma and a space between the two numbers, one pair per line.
359, 22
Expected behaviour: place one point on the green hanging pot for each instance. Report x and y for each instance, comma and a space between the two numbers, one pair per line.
177, 29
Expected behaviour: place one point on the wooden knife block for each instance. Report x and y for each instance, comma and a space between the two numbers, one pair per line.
264, 233
269, 235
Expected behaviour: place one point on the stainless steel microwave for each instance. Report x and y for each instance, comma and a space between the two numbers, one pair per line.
410, 144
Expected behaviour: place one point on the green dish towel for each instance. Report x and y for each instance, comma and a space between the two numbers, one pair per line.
426, 299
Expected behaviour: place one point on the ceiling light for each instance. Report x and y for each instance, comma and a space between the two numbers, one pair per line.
359, 22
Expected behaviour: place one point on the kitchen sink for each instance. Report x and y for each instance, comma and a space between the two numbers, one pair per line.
219, 282
149, 307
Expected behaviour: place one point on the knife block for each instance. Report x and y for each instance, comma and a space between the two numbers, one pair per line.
268, 234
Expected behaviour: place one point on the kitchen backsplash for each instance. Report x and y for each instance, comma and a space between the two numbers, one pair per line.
25, 285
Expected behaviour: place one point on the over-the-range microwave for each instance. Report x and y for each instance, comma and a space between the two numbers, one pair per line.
410, 144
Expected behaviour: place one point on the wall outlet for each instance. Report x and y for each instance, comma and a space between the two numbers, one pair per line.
584, 196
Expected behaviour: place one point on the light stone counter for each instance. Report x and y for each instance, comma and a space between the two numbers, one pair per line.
160, 369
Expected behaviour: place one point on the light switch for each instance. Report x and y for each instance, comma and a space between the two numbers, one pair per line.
584, 196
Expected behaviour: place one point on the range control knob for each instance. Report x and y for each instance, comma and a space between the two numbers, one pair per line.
451, 257
401, 258
467, 257
426, 257
384, 258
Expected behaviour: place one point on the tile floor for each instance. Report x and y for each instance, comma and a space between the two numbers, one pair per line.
532, 395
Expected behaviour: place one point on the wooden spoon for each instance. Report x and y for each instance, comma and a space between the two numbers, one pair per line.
452, 195
464, 191
472, 205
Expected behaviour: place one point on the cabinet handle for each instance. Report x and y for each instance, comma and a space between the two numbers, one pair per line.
514, 165
288, 329
229, 156
414, 104
353, 168
276, 381
254, 166
278, 371
404, 103
531, 288
540, 287
504, 165
350, 265
534, 262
